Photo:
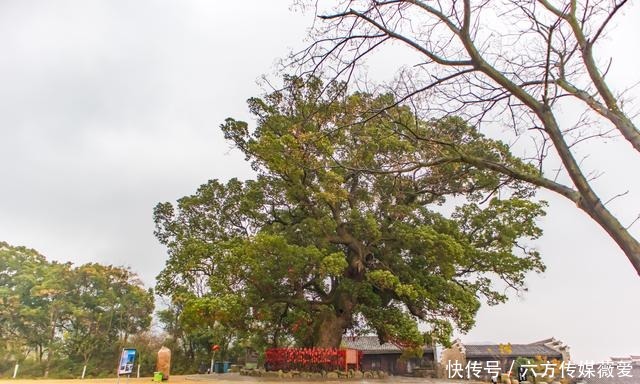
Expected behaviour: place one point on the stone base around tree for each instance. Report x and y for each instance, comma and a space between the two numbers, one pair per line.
330, 375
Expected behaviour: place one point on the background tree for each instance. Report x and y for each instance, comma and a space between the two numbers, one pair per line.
46, 310
316, 245
514, 62
19, 269
55, 318
192, 334
109, 304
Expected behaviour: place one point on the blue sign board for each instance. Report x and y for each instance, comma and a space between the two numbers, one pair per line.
126, 361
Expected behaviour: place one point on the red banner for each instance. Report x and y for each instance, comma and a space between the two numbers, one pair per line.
308, 359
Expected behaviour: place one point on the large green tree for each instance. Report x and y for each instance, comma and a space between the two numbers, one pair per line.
318, 244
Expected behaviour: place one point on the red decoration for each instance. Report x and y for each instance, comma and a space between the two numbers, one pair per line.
308, 359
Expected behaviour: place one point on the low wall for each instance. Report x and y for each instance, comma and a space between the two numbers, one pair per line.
350, 374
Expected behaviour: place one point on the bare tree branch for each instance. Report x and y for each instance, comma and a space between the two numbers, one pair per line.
511, 63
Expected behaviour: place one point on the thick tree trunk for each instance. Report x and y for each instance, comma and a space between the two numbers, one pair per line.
330, 329
333, 321
338, 317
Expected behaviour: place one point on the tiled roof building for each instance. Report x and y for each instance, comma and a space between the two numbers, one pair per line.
488, 355
371, 345
516, 350
386, 356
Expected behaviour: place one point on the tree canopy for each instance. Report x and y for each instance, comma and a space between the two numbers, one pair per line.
318, 244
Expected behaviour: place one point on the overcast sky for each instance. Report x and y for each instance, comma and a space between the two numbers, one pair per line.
109, 107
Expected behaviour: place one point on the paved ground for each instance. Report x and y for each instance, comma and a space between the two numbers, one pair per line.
231, 378
145, 380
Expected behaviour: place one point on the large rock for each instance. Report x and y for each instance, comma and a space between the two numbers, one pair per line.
164, 362
332, 375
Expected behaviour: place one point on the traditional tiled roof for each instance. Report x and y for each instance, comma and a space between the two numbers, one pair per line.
517, 350
625, 358
633, 358
371, 345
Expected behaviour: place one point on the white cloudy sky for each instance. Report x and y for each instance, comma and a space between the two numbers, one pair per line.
108, 107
